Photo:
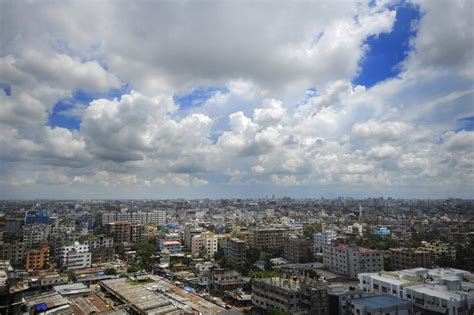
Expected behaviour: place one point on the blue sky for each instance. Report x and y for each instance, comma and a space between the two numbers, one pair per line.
387, 50
79, 98
287, 112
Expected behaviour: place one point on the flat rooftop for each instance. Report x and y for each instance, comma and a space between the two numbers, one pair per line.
379, 301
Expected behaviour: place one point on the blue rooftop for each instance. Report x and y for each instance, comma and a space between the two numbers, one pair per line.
379, 301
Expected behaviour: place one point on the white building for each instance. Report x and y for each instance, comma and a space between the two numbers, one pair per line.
74, 256
351, 260
323, 238
205, 242
35, 234
442, 291
143, 217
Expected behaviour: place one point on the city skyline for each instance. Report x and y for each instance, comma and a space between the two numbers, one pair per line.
158, 100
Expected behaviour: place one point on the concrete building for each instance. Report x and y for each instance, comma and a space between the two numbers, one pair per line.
37, 258
433, 291
380, 305
293, 295
268, 238
298, 250
13, 252
36, 233
406, 258
350, 260
120, 231
189, 232
323, 238
74, 256
125, 232
172, 246
143, 217
236, 252
340, 294
224, 279
204, 244
440, 249
101, 248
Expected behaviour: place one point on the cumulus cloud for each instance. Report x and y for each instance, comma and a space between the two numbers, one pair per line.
260, 128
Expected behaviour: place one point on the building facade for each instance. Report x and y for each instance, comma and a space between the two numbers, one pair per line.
350, 260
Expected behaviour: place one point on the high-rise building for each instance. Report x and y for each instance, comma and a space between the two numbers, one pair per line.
406, 258
323, 238
101, 248
350, 260
298, 250
268, 238
433, 291
74, 256
236, 252
37, 258
293, 295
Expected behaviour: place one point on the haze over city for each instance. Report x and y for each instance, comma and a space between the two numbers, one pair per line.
188, 99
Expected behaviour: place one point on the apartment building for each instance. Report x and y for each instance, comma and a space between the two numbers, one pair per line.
433, 291
101, 248
143, 217
298, 250
406, 258
204, 244
37, 258
379, 305
293, 295
324, 238
189, 232
36, 233
268, 238
440, 249
236, 252
350, 260
74, 256
13, 252
123, 231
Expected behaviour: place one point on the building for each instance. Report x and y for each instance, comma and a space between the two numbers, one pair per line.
298, 250
440, 249
143, 217
125, 232
236, 253
37, 258
382, 231
11, 289
433, 291
380, 305
137, 233
42, 217
339, 295
13, 252
204, 244
225, 279
268, 238
36, 233
120, 231
101, 248
293, 295
406, 258
350, 260
172, 246
189, 232
323, 238
74, 256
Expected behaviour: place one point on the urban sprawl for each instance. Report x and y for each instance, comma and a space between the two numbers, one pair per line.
233, 256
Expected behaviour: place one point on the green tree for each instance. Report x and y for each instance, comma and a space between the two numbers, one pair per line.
72, 275
110, 271
145, 252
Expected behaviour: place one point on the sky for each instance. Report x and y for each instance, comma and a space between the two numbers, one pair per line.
236, 99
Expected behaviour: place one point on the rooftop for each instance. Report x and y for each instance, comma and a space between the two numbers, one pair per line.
379, 301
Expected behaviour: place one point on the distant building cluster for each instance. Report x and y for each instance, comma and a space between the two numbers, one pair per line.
232, 256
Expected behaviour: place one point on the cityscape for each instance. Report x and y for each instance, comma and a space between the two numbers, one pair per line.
206, 157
